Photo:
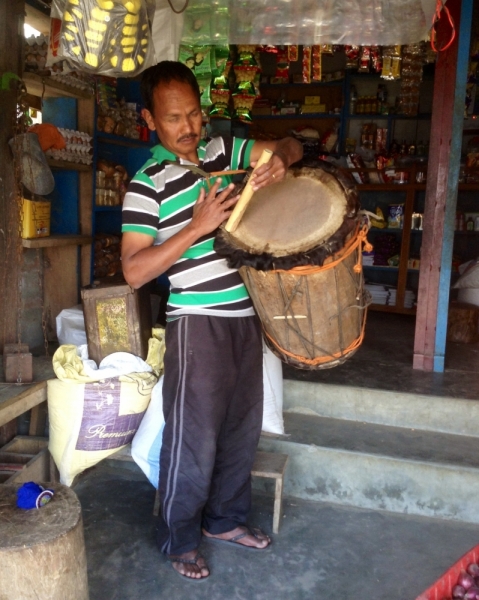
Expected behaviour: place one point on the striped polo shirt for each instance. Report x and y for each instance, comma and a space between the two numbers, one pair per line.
159, 202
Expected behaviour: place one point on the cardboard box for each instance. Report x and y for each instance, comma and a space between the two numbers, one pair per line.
313, 108
312, 100
288, 110
35, 218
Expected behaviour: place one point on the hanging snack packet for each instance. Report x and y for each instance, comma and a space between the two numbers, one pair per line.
293, 53
352, 56
220, 96
364, 59
316, 71
243, 100
306, 70
197, 24
186, 55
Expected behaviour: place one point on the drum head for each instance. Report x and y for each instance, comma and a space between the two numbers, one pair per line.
299, 220
293, 215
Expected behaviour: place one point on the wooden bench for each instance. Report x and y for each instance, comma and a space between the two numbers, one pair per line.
266, 464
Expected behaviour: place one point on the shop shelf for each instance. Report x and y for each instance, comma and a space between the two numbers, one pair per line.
57, 240
46, 86
68, 166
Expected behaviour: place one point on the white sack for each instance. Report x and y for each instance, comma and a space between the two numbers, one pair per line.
71, 326
146, 445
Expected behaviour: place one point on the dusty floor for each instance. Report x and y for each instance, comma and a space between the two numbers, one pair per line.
322, 552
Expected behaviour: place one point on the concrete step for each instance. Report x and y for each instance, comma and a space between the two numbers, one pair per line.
429, 412
377, 466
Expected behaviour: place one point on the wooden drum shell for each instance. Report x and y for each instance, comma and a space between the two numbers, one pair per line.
311, 321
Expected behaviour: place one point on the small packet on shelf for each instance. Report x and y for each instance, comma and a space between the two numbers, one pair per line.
306, 66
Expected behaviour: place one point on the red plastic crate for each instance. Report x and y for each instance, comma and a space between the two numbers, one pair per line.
442, 588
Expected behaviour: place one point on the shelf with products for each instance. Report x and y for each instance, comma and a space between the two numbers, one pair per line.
116, 159
398, 121
67, 251
399, 244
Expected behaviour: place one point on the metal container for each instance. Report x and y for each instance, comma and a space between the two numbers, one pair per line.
117, 319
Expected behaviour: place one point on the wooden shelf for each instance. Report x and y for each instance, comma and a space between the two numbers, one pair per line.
304, 86
58, 240
68, 166
390, 187
295, 117
392, 309
118, 207
120, 140
379, 116
39, 85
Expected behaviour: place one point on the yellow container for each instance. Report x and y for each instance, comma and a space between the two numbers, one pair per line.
35, 218
312, 99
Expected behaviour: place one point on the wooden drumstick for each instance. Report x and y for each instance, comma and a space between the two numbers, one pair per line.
245, 197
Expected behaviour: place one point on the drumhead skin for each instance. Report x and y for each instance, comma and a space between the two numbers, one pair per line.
301, 220
293, 215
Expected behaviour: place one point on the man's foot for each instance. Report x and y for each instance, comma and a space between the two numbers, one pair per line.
190, 564
242, 536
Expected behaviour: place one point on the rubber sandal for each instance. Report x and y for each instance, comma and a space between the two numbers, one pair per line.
188, 561
254, 531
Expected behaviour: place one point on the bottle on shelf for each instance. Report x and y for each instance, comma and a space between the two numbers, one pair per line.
470, 224
353, 98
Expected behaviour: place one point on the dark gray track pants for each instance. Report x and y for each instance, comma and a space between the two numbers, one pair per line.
213, 407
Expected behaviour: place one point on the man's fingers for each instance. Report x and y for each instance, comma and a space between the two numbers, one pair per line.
201, 197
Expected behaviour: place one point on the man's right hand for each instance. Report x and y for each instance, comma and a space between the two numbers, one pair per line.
143, 262
212, 209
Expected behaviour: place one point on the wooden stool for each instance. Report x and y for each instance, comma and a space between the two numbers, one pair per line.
42, 551
266, 464
272, 465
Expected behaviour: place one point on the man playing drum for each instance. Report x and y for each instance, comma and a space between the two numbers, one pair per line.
213, 384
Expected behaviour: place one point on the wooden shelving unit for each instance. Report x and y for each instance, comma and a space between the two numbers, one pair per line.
67, 258
56, 241
39, 85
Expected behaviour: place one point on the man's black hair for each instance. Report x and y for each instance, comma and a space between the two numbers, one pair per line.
165, 72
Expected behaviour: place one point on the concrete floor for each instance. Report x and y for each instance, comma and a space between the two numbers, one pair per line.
323, 551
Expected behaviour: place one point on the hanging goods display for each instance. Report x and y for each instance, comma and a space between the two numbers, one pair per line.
109, 37
298, 249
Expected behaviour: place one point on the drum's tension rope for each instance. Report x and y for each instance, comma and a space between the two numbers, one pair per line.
204, 174
357, 241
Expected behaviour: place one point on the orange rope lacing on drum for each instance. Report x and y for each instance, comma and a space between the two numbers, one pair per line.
359, 238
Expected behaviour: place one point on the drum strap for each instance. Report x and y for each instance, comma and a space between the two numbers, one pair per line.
204, 174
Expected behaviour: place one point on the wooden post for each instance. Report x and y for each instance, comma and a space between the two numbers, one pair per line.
11, 56
441, 192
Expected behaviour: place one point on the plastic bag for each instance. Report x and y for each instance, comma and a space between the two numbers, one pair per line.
146, 445
108, 37
71, 326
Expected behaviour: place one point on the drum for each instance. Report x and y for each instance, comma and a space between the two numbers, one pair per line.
298, 249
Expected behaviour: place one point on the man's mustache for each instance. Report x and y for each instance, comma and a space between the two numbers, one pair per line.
190, 136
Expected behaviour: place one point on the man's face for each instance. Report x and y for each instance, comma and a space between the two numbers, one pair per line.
177, 119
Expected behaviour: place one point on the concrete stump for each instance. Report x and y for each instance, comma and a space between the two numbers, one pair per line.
42, 551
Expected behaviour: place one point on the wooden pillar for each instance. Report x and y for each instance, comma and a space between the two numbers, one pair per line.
11, 56
441, 192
